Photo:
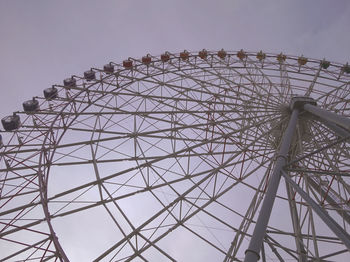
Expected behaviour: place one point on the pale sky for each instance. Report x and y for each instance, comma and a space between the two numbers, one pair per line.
43, 42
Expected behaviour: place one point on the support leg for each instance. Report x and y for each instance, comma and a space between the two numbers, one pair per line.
331, 117
252, 253
337, 230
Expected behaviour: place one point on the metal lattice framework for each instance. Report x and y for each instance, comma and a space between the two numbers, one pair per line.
169, 158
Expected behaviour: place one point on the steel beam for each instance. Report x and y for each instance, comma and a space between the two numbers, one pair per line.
326, 115
337, 129
330, 222
252, 253
296, 225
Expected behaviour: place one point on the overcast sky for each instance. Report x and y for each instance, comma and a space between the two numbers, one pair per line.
43, 42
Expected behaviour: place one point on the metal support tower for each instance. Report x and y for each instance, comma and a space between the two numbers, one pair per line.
252, 253
341, 125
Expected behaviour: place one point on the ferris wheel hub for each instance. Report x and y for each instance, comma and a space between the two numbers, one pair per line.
299, 102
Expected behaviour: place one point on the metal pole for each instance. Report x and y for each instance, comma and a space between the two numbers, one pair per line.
342, 121
337, 129
252, 253
296, 225
263, 253
334, 226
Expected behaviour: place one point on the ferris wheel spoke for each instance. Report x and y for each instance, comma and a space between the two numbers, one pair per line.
164, 209
297, 222
157, 248
314, 81
200, 182
247, 218
324, 147
201, 209
286, 90
273, 244
325, 96
335, 198
209, 196
95, 204
102, 188
36, 246
192, 174
127, 133
205, 240
145, 135
246, 87
257, 86
201, 82
341, 93
225, 78
23, 226
156, 98
11, 195
179, 223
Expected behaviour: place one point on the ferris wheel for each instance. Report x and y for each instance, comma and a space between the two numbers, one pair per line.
208, 156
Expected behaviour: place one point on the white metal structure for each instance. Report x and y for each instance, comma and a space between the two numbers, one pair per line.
169, 159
